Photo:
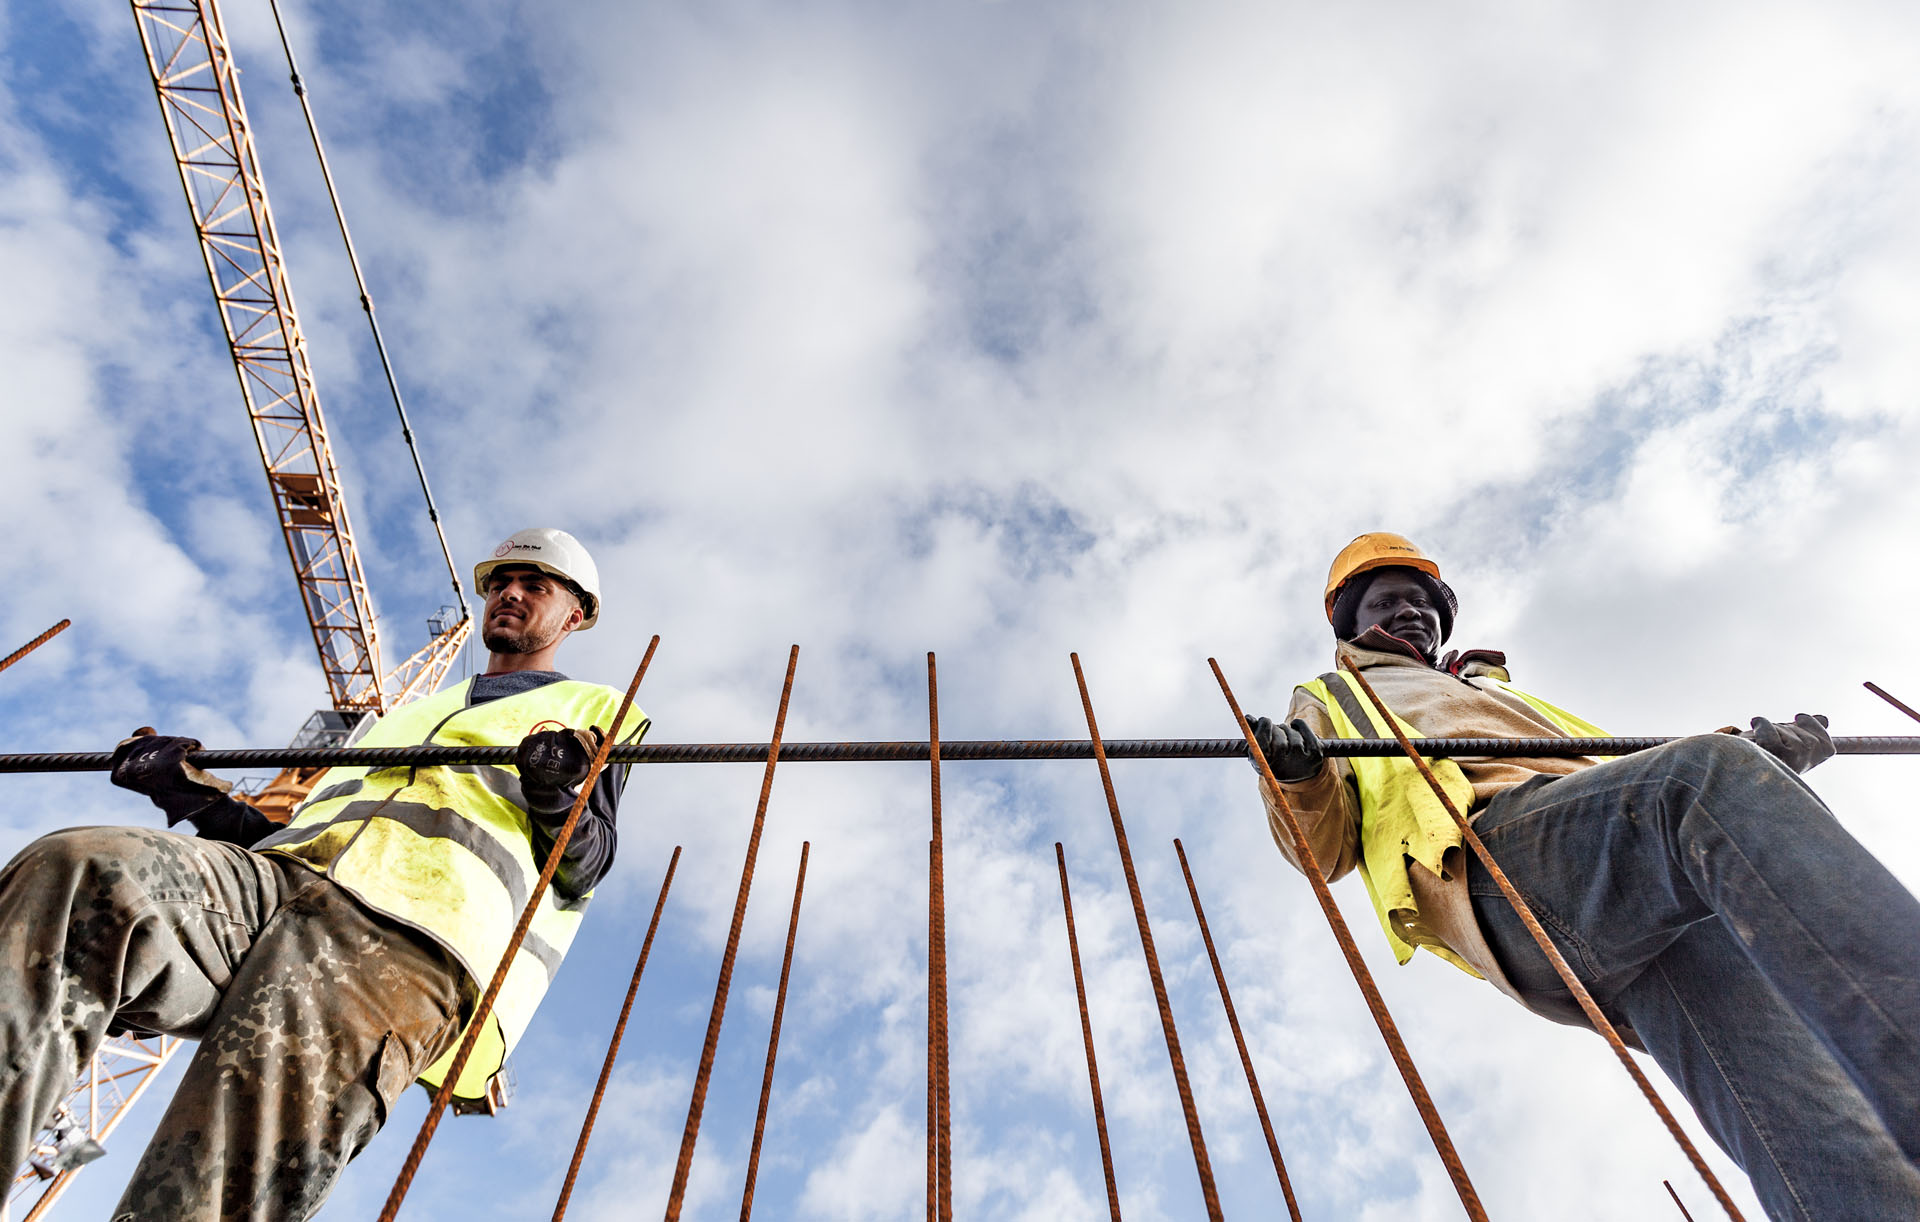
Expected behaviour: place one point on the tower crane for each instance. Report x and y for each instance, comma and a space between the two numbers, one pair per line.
198, 89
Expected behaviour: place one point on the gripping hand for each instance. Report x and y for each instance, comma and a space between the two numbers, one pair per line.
1799, 744
1293, 751
551, 762
156, 765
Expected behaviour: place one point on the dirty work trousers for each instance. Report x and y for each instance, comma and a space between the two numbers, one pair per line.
1769, 964
313, 1014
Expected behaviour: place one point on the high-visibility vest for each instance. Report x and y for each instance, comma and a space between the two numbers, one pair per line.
449, 851
1400, 818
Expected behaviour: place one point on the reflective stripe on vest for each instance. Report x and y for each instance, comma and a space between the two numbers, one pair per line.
449, 850
1400, 818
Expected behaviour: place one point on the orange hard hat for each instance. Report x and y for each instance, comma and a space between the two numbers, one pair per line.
1375, 550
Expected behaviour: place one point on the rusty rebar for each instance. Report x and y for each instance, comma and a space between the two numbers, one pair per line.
1885, 695
967, 750
683, 1166
773, 1040
35, 643
939, 1113
933, 1063
1350, 950
613, 1045
1086, 1038
1239, 1040
484, 1010
1677, 1202
1560, 966
1195, 1137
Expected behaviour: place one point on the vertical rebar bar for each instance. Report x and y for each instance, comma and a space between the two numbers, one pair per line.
939, 1116
35, 643
773, 1040
1560, 966
1350, 950
1195, 1137
1086, 1038
683, 1166
933, 1064
1239, 1040
484, 1010
613, 1045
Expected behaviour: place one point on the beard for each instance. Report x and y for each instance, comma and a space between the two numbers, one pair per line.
527, 638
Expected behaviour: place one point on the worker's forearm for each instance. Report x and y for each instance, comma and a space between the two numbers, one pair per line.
1322, 808
231, 820
590, 850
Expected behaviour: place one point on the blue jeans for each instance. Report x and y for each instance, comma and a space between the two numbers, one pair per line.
1767, 962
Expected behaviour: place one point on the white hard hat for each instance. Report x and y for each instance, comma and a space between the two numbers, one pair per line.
550, 551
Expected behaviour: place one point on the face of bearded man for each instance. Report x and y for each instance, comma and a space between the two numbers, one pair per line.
527, 610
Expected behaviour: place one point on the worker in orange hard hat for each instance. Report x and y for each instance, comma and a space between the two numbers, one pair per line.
327, 964
1371, 553
1712, 905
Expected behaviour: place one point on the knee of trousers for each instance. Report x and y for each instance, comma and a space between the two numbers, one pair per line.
58, 858
1719, 759
72, 849
1734, 776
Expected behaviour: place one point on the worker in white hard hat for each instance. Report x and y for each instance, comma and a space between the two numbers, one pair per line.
326, 964
1716, 910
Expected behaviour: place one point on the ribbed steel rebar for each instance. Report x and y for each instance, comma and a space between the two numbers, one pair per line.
773, 1041
1239, 1039
35, 643
939, 1084
769, 756
613, 1045
909, 752
1086, 1038
1893, 700
1202, 1164
1678, 1203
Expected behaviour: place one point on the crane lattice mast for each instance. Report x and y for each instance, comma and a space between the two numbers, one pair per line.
199, 92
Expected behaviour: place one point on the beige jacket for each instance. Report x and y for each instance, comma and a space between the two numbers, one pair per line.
1440, 705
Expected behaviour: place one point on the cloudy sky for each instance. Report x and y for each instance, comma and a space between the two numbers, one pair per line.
1000, 330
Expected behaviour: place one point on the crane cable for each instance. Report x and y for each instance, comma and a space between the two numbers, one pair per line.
366, 305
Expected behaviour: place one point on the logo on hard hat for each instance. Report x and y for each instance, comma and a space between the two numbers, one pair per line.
503, 550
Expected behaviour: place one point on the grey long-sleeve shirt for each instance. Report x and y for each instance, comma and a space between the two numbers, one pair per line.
590, 849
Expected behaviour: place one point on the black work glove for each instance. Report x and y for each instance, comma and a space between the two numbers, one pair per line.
1799, 745
1293, 751
551, 763
156, 765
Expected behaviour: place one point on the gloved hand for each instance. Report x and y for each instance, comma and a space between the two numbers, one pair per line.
551, 762
1799, 745
1293, 751
156, 765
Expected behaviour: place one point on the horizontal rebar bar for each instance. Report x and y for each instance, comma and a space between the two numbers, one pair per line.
907, 752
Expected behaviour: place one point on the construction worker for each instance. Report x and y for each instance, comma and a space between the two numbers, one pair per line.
326, 964
1721, 917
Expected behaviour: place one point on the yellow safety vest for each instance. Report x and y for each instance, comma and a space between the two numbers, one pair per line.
1400, 818
449, 850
